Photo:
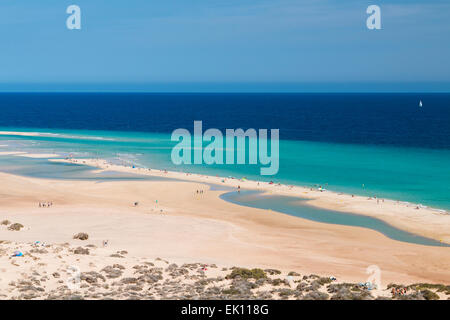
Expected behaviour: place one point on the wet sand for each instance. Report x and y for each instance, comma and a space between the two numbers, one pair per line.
428, 222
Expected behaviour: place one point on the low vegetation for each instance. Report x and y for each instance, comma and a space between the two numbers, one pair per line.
81, 236
15, 227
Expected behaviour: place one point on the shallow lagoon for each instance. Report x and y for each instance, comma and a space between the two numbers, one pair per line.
294, 206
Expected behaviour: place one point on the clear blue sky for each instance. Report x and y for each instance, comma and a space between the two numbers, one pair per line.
201, 45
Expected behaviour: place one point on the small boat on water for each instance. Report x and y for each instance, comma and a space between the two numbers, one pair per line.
420, 104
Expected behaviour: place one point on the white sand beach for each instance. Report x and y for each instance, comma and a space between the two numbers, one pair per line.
173, 222
425, 221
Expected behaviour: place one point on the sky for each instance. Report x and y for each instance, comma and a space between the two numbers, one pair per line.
229, 45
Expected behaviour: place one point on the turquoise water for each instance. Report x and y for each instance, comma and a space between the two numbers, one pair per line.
44, 169
415, 175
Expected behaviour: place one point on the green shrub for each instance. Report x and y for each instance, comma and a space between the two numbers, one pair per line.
231, 291
276, 282
396, 286
81, 236
324, 280
247, 273
15, 227
272, 271
423, 286
286, 292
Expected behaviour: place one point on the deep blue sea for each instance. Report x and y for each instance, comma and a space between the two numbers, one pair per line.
376, 119
367, 144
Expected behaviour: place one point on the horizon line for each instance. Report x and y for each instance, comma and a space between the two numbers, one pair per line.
220, 92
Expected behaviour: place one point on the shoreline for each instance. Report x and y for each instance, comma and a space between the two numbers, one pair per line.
185, 227
89, 134
424, 221
34, 132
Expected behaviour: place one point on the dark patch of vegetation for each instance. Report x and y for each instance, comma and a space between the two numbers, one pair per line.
247, 273
272, 271
315, 295
231, 291
412, 296
383, 298
286, 292
423, 286
429, 295
81, 250
15, 227
315, 285
277, 282
324, 280
333, 288
81, 236
301, 286
344, 293
395, 286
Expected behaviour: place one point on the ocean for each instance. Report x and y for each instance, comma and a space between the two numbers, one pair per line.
365, 144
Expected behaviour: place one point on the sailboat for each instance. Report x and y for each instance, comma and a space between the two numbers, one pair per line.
420, 104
